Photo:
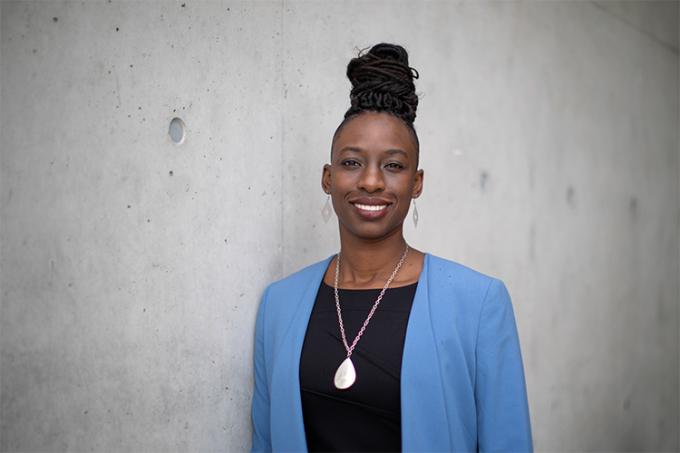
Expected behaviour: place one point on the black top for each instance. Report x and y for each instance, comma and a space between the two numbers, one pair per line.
366, 416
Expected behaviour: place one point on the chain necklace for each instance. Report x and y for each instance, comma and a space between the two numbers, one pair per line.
346, 374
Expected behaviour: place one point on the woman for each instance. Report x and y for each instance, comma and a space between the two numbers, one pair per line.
383, 347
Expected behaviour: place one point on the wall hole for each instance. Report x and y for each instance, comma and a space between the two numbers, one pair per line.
177, 130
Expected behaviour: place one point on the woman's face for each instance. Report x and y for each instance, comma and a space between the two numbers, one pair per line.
373, 175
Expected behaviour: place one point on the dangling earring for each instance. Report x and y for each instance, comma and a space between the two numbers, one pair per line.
326, 211
415, 214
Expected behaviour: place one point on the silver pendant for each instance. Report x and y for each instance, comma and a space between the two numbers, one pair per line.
346, 375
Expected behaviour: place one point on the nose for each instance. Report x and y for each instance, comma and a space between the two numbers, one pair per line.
371, 179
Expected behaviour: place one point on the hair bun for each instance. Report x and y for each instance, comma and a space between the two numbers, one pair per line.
382, 80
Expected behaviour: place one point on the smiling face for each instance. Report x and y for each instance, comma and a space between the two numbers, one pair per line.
373, 175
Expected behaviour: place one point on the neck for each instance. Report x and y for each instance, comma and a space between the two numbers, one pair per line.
365, 261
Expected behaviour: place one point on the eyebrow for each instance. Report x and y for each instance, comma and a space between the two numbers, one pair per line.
388, 151
397, 151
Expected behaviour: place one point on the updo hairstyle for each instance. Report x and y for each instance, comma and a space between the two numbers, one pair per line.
382, 81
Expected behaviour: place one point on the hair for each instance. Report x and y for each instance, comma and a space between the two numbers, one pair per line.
382, 81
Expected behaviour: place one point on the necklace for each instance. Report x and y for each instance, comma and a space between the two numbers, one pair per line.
346, 374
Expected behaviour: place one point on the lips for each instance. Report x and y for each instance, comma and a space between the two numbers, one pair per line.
370, 208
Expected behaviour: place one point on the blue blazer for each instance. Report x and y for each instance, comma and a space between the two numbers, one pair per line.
462, 378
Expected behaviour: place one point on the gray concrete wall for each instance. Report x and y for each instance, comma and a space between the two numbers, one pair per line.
131, 267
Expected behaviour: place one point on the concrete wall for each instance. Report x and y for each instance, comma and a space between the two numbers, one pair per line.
131, 267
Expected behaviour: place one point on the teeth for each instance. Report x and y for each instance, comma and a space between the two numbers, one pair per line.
370, 207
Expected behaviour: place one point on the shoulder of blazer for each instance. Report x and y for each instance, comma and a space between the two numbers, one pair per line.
298, 281
446, 273
282, 297
457, 291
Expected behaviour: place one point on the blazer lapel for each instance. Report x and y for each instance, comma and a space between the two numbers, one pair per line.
424, 420
287, 423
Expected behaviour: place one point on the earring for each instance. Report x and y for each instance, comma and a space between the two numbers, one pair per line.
415, 214
326, 210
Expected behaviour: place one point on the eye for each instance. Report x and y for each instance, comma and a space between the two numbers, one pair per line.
394, 166
349, 163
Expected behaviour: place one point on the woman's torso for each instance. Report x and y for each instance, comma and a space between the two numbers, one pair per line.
366, 416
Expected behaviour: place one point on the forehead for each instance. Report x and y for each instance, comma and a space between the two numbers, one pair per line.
376, 132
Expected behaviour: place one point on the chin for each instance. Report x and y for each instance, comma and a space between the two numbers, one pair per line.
372, 231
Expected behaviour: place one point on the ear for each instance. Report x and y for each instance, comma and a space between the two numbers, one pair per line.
418, 183
326, 178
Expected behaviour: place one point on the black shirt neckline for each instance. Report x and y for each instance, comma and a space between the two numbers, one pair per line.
323, 283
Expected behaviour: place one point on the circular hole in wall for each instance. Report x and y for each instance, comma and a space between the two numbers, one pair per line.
177, 130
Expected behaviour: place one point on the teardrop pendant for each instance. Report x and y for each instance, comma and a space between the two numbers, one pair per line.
346, 375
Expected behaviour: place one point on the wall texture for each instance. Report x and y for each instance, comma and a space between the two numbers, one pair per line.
131, 267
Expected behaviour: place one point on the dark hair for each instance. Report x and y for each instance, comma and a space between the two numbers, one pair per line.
382, 81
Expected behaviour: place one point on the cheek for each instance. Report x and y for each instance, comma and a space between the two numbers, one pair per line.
342, 180
402, 186
338, 187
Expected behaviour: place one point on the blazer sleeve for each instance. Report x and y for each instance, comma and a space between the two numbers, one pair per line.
260, 405
503, 422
